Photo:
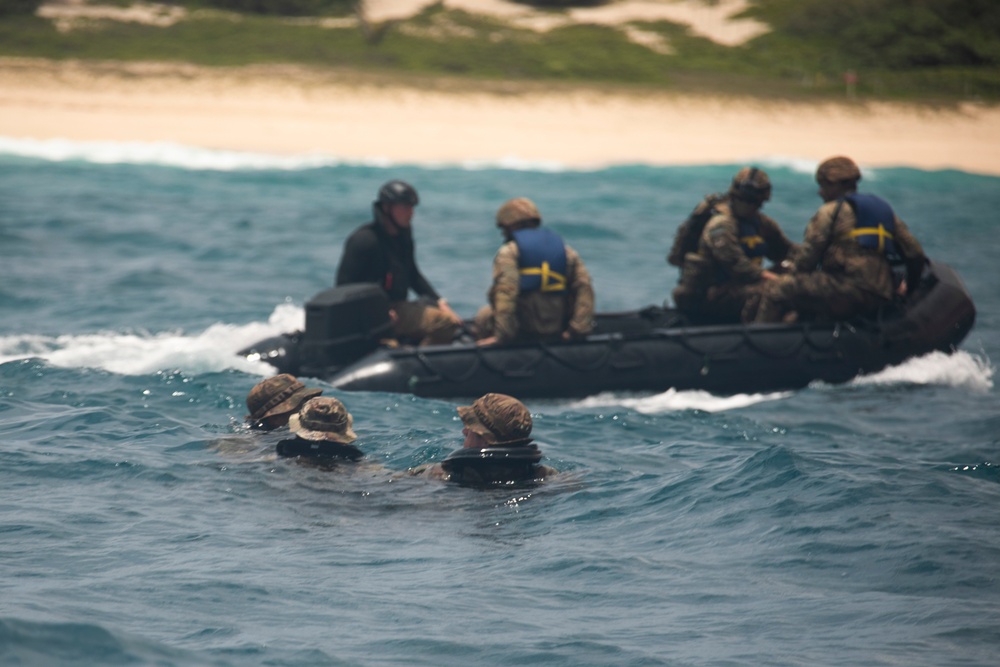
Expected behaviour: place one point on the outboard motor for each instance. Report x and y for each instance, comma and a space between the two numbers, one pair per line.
343, 324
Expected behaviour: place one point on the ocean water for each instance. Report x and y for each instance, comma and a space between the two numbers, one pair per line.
140, 523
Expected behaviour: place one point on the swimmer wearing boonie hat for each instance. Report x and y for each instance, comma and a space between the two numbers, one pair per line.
323, 429
497, 450
272, 401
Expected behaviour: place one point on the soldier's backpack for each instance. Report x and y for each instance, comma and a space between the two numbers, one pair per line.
689, 231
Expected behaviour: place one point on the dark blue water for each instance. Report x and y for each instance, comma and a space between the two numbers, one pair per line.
141, 524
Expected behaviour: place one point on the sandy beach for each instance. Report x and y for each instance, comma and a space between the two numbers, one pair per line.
291, 110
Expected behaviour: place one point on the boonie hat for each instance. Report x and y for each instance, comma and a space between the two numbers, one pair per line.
517, 210
323, 418
500, 419
277, 395
838, 170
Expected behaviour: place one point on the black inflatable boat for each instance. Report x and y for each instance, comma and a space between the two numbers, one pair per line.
649, 350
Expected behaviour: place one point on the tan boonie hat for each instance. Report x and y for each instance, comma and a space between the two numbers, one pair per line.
323, 418
277, 395
498, 418
838, 170
517, 210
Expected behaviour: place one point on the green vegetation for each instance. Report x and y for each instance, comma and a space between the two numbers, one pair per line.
18, 7
921, 50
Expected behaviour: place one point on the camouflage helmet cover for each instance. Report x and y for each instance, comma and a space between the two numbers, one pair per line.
520, 209
838, 169
751, 184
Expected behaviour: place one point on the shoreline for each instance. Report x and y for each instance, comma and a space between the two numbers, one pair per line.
293, 110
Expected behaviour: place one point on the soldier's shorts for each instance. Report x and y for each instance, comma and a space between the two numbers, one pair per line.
419, 321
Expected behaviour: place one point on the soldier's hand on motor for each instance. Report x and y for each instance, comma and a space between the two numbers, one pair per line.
490, 340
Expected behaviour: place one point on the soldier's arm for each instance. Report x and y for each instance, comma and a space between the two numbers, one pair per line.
722, 242
817, 238
506, 287
582, 320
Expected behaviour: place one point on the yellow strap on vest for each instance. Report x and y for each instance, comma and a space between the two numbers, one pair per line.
552, 281
879, 231
751, 241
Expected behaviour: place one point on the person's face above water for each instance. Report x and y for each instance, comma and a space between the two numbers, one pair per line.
473, 439
401, 214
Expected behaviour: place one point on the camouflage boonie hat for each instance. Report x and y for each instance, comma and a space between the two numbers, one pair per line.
751, 184
838, 169
277, 395
323, 418
517, 210
500, 419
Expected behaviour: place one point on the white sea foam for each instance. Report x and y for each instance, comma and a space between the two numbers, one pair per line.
161, 153
961, 369
196, 158
673, 401
140, 353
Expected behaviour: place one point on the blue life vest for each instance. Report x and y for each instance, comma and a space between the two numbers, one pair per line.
752, 242
876, 225
542, 261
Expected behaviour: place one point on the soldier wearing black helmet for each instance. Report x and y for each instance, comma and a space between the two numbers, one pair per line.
723, 279
844, 267
381, 252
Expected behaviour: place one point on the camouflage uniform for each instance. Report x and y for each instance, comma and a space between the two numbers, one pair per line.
514, 315
835, 276
720, 280
850, 280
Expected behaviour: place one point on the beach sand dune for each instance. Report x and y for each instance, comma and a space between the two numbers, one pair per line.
293, 110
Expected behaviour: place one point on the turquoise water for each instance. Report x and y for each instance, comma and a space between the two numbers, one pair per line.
141, 524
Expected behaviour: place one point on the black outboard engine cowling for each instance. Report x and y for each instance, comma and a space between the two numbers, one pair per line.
342, 325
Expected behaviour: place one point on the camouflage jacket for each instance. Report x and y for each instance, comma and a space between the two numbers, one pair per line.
829, 247
721, 258
536, 313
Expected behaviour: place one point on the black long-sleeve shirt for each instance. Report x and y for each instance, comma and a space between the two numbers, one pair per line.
371, 255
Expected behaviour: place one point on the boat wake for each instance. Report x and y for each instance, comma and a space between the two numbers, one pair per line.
675, 401
141, 353
960, 369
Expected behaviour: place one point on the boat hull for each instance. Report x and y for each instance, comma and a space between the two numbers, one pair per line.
652, 351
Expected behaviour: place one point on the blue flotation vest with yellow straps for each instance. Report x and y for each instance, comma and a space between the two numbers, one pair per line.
875, 228
542, 260
752, 242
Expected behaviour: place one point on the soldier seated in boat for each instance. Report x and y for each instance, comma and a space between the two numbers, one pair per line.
323, 431
541, 288
497, 450
844, 268
381, 252
722, 280
273, 400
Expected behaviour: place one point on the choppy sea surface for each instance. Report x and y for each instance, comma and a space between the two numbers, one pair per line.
140, 523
